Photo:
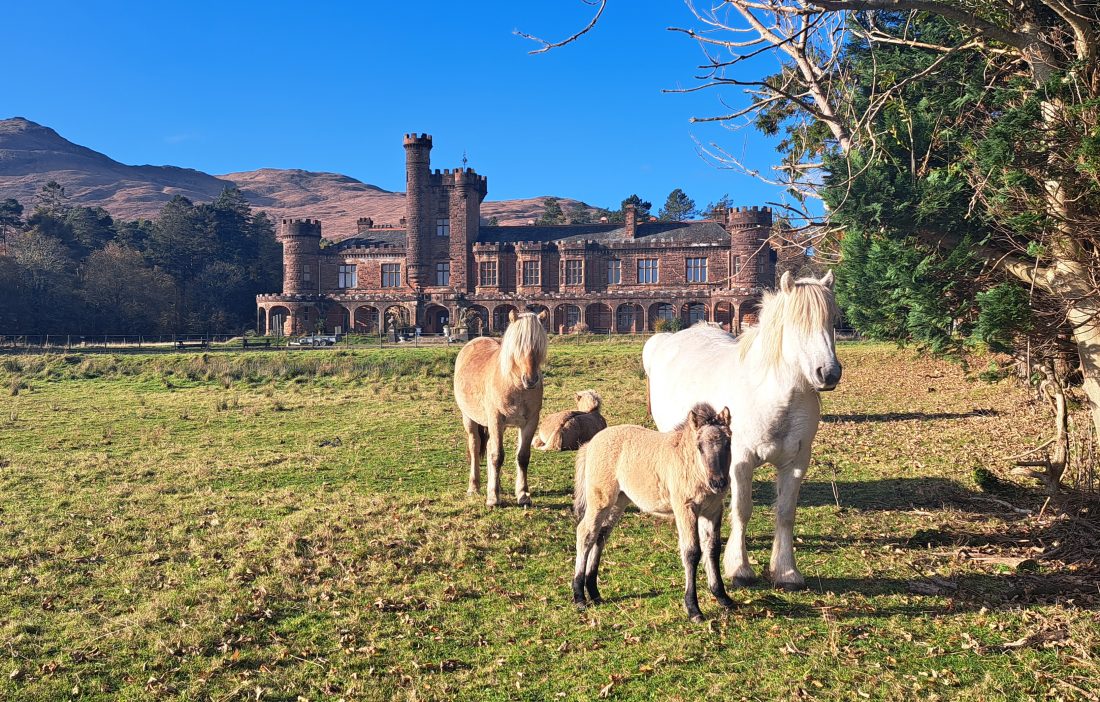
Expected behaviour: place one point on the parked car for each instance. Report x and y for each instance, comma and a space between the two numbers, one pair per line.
314, 340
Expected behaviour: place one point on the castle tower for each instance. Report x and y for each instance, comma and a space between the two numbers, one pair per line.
752, 263
301, 240
418, 224
465, 211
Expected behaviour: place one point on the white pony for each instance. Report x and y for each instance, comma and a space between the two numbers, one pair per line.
769, 378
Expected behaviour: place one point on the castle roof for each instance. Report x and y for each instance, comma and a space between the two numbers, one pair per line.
698, 232
702, 232
376, 237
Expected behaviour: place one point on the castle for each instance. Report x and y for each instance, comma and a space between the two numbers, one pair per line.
442, 265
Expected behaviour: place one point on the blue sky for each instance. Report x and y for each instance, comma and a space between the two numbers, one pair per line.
332, 86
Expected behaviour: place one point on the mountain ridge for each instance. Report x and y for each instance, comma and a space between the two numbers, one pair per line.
32, 154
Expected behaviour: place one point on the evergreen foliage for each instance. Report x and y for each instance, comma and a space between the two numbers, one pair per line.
75, 270
678, 207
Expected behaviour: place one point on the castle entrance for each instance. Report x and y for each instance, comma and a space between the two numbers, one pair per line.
435, 316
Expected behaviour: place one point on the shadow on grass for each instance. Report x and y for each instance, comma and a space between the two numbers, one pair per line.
906, 416
890, 494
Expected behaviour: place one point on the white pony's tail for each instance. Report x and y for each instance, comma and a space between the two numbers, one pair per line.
580, 485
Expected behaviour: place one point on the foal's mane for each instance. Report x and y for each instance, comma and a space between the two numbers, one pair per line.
524, 338
808, 307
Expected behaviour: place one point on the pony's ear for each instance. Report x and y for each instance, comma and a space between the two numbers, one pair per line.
511, 316
786, 282
828, 280
724, 415
696, 418
542, 315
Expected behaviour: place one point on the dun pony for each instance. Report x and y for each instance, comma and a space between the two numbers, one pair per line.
571, 429
498, 384
769, 378
683, 474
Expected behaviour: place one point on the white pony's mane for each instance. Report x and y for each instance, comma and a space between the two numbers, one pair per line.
807, 308
525, 337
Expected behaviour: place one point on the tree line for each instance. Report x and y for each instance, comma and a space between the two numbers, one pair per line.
195, 269
678, 207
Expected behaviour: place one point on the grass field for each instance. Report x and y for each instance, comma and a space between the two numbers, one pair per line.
294, 526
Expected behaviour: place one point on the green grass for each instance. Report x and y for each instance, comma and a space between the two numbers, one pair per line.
294, 526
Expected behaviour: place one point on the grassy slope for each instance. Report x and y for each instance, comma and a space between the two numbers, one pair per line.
268, 525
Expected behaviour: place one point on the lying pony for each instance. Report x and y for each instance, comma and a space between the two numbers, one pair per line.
571, 429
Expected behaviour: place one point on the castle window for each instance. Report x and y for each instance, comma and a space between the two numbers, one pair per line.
348, 278
307, 274
487, 273
391, 275
574, 272
697, 270
443, 226
647, 270
614, 271
443, 273
532, 273
736, 265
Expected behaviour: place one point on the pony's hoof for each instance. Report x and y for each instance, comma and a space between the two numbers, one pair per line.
726, 603
492, 504
697, 618
579, 605
524, 501
745, 580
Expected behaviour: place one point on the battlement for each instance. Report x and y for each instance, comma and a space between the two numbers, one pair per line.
415, 140
742, 217
300, 228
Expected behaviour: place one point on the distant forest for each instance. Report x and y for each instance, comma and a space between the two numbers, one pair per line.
195, 269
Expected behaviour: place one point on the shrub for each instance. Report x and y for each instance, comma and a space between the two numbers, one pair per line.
668, 325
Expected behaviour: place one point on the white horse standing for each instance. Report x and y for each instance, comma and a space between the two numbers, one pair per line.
769, 378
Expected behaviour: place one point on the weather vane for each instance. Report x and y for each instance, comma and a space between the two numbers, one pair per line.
464, 159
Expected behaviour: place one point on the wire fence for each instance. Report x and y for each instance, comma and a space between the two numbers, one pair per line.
165, 343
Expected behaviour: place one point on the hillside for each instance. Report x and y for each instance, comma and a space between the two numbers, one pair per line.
32, 154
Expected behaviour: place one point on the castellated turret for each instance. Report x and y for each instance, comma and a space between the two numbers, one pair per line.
752, 263
301, 240
418, 215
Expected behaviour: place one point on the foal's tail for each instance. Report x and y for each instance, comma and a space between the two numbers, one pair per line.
580, 485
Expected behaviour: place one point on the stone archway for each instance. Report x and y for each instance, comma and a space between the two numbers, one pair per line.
628, 318
598, 318
566, 317
693, 313
336, 317
278, 318
366, 320
435, 316
724, 315
659, 311
500, 317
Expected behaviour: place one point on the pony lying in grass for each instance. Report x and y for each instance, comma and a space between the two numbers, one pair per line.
683, 474
769, 378
571, 429
498, 384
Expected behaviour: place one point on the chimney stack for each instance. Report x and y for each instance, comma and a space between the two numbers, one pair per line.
630, 215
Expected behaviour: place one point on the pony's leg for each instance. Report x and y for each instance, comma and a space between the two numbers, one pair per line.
587, 533
736, 562
687, 524
473, 452
710, 526
495, 460
782, 569
605, 525
523, 459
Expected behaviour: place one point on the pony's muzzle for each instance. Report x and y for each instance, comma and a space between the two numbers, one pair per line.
530, 382
828, 377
